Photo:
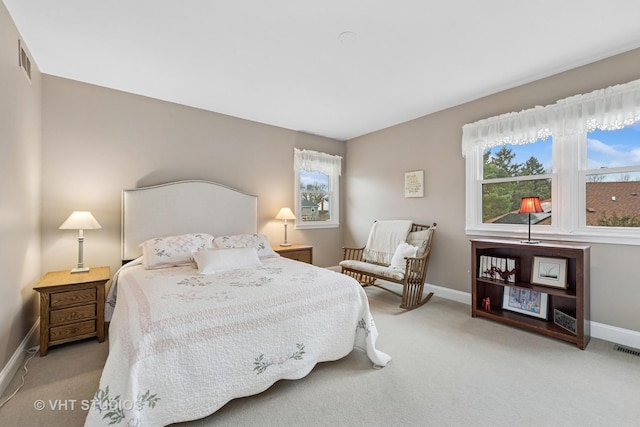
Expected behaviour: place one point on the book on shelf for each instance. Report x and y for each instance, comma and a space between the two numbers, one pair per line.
497, 268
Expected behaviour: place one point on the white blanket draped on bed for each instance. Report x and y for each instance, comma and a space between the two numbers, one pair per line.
181, 345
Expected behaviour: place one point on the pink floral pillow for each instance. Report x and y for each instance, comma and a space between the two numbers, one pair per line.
258, 241
170, 251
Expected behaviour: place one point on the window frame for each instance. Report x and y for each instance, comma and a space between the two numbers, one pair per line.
331, 166
475, 181
568, 170
514, 178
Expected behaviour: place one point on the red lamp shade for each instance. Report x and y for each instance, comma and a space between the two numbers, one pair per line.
531, 205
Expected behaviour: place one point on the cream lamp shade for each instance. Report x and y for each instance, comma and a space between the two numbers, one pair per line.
80, 220
285, 214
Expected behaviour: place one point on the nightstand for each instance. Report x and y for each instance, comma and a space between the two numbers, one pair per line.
71, 306
301, 253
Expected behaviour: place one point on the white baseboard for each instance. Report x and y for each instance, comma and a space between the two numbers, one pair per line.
15, 363
626, 337
450, 294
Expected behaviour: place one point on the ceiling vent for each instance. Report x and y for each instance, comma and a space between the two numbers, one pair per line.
24, 61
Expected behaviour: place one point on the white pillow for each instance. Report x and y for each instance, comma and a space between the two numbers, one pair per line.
258, 241
217, 260
170, 251
403, 250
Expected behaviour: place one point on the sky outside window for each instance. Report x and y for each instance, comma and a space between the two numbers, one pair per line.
314, 178
610, 149
605, 149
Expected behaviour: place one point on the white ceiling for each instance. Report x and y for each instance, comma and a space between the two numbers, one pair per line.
283, 62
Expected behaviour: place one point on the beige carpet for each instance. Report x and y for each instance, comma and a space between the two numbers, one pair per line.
448, 369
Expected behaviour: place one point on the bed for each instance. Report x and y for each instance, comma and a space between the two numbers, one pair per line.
191, 330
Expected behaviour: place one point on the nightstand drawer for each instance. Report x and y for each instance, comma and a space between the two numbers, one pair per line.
71, 314
60, 299
302, 255
64, 332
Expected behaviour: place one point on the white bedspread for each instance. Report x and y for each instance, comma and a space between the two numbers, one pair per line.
181, 345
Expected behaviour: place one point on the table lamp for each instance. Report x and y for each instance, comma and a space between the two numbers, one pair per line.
80, 220
530, 205
285, 214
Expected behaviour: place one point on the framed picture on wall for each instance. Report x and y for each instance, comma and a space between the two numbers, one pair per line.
414, 184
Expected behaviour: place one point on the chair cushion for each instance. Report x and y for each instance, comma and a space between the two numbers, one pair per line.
420, 239
380, 270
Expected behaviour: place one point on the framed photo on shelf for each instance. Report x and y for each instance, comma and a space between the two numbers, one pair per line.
550, 272
564, 321
525, 301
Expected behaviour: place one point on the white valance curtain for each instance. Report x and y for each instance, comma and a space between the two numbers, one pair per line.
311, 161
606, 109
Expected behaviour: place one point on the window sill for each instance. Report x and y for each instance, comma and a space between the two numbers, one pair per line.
307, 226
595, 235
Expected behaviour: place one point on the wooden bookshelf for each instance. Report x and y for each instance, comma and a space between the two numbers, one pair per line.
573, 300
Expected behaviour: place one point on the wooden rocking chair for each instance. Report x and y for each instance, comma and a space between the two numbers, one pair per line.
366, 269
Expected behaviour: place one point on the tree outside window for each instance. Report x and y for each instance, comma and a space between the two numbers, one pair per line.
506, 181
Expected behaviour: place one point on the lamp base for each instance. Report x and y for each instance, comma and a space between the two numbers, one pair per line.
79, 270
531, 242
285, 244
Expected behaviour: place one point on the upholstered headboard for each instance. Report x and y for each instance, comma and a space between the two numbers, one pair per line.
184, 207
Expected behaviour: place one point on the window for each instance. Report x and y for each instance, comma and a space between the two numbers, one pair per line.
317, 189
581, 156
612, 178
510, 173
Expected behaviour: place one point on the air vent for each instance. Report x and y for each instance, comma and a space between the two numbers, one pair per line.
631, 351
23, 59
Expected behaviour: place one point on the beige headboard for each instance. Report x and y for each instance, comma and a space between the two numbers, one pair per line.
184, 207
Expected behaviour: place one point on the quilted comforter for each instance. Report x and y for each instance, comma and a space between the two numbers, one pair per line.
181, 345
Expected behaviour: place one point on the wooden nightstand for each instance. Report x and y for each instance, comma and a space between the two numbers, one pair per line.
71, 306
301, 253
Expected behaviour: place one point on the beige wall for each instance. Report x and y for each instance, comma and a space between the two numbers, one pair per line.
19, 192
375, 175
94, 142
98, 141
